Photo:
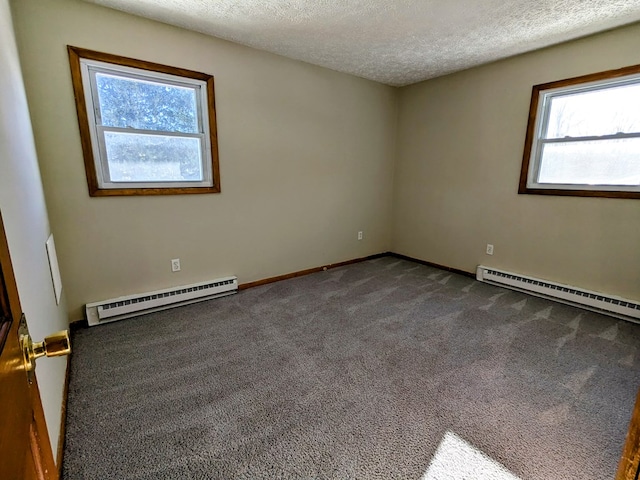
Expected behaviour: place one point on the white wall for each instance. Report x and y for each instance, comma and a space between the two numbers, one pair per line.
461, 140
25, 219
306, 161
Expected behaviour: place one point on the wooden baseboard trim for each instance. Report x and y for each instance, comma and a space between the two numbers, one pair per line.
286, 276
63, 419
78, 324
301, 273
435, 265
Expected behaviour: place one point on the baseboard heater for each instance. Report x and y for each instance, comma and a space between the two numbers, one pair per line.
133, 305
598, 302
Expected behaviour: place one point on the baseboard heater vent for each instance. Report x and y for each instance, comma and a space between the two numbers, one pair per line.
607, 304
132, 305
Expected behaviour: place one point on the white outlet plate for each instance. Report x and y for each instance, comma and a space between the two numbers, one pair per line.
175, 265
489, 249
359, 235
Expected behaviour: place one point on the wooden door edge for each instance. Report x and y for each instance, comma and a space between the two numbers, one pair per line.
630, 459
63, 420
46, 454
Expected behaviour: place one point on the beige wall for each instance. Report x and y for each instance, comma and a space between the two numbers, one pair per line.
306, 159
461, 140
26, 223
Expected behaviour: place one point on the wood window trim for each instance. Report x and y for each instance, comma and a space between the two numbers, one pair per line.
75, 55
530, 136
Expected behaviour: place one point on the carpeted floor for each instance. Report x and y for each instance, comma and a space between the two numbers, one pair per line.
379, 370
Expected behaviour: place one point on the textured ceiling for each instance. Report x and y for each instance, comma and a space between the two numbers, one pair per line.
396, 42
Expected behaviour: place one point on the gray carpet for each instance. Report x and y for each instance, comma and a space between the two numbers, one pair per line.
378, 370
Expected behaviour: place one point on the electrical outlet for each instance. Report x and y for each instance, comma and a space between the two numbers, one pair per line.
489, 249
359, 235
175, 265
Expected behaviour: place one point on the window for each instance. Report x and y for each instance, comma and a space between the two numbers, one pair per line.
583, 136
146, 129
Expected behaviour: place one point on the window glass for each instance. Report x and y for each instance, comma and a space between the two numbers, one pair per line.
145, 105
152, 158
593, 113
606, 162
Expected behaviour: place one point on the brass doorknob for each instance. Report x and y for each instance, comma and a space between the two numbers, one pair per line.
54, 345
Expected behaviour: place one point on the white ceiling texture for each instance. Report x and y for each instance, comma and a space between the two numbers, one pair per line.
395, 42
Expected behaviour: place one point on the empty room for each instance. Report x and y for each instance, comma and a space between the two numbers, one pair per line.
320, 240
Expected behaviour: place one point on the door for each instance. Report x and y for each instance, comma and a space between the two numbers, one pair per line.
25, 450
630, 462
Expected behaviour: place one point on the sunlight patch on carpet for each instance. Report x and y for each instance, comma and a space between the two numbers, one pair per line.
456, 459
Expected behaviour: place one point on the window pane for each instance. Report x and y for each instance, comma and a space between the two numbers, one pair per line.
598, 162
153, 158
594, 113
132, 103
